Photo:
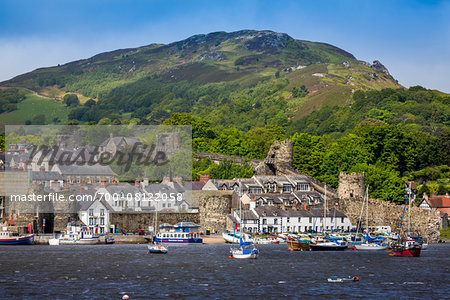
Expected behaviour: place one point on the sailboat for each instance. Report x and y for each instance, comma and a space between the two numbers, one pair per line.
410, 247
371, 243
327, 243
154, 247
244, 250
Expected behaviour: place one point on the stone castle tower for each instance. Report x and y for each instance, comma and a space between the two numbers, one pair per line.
279, 159
351, 186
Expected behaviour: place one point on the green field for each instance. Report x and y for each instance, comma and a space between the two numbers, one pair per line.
32, 106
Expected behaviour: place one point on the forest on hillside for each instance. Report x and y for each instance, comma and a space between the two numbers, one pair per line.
391, 135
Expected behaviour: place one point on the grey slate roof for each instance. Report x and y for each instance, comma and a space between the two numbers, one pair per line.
125, 188
95, 170
118, 139
45, 176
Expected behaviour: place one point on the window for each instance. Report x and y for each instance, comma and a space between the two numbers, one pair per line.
169, 205
302, 187
102, 229
102, 221
255, 190
102, 212
288, 219
310, 219
91, 221
287, 188
264, 221
275, 221
342, 220
91, 212
299, 219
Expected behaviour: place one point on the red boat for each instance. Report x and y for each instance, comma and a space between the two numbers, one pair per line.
408, 248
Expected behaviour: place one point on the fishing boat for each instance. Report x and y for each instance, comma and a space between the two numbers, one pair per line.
299, 244
77, 234
409, 247
7, 238
343, 279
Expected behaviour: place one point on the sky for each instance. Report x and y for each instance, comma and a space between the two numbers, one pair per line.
411, 38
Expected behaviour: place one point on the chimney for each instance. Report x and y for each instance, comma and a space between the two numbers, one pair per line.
204, 177
103, 182
54, 184
166, 180
178, 180
252, 204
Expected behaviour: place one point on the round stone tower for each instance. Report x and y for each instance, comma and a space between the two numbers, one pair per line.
351, 186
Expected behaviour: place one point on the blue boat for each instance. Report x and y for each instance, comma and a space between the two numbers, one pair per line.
181, 233
7, 239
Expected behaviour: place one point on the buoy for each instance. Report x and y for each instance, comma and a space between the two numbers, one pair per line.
292, 249
230, 256
125, 297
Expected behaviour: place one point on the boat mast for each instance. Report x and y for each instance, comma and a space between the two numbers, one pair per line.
325, 210
367, 209
409, 209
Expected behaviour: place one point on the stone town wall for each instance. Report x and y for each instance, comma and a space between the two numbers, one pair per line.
425, 223
351, 185
214, 208
131, 221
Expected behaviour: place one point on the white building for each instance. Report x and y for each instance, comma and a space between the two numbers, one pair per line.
269, 219
96, 215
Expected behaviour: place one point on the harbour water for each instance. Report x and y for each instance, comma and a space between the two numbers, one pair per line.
205, 271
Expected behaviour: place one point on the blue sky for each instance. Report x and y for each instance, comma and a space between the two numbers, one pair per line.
411, 38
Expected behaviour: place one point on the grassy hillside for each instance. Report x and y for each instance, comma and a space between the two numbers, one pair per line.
32, 106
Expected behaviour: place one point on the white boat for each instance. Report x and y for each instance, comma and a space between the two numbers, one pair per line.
234, 237
263, 241
77, 234
157, 249
371, 246
53, 241
245, 250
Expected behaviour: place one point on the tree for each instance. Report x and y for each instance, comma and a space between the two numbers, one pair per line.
423, 189
442, 190
90, 103
71, 100
38, 119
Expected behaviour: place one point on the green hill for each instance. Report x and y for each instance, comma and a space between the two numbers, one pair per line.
246, 78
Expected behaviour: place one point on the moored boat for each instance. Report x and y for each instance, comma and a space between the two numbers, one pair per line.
157, 249
409, 248
343, 279
6, 238
245, 250
181, 234
371, 246
328, 246
298, 245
